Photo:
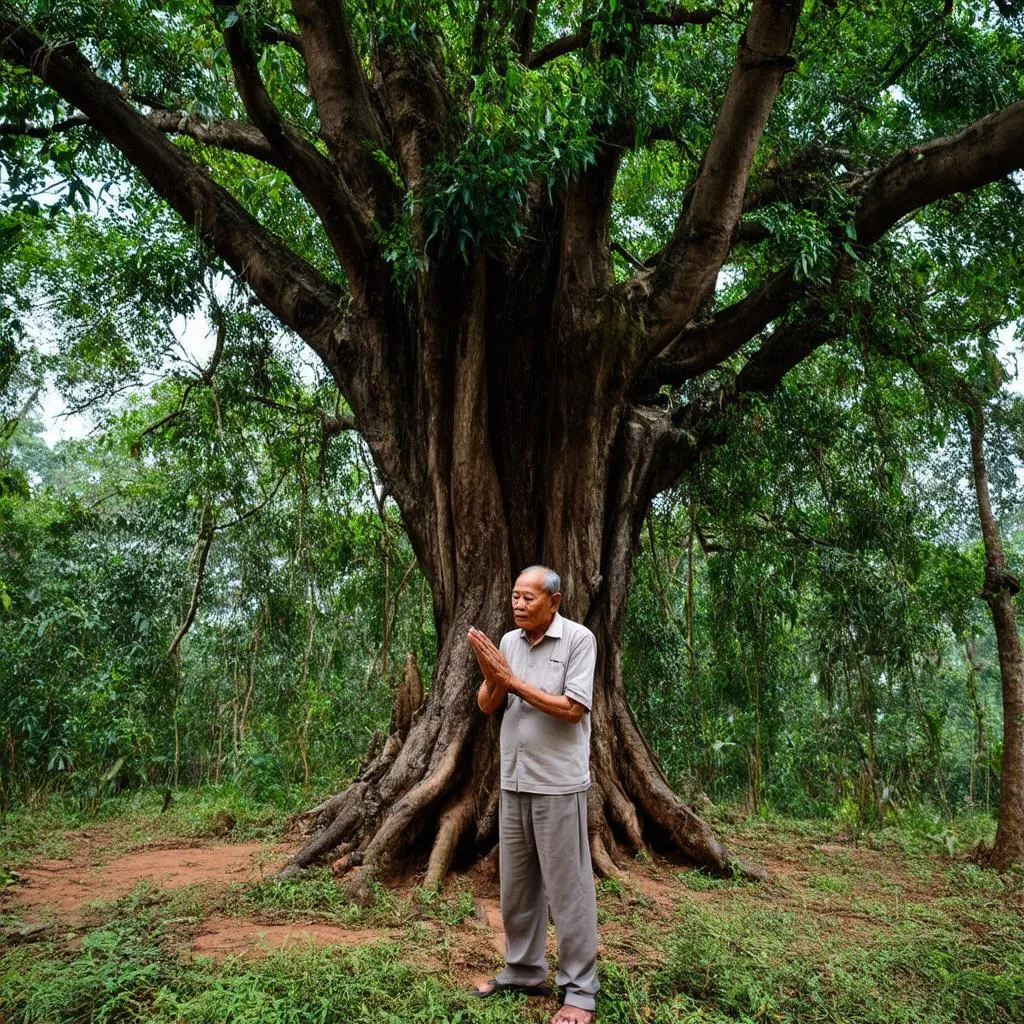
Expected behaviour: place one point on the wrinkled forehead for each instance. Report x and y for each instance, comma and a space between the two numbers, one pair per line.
529, 581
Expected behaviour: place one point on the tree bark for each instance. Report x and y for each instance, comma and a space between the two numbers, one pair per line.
507, 472
998, 593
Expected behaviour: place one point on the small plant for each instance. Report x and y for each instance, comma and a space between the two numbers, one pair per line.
610, 886
829, 883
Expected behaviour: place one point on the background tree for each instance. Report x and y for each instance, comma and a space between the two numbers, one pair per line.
456, 160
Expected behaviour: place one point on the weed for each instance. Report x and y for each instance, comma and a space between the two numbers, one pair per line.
701, 881
829, 883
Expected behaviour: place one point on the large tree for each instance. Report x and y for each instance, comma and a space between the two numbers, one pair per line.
504, 231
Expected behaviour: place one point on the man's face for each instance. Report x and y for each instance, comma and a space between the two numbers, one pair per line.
532, 607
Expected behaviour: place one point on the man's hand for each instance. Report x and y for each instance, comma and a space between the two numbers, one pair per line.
497, 674
498, 680
491, 661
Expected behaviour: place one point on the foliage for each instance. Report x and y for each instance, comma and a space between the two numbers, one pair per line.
802, 631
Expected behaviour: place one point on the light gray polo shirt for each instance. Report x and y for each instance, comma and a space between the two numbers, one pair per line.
540, 753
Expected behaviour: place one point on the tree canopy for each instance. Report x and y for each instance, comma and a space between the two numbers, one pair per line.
550, 255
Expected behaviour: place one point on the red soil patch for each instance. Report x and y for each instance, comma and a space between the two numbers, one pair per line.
488, 912
66, 885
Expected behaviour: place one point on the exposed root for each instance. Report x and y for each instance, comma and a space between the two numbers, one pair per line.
454, 824
341, 865
320, 816
415, 802
358, 885
624, 812
602, 859
328, 839
489, 863
688, 833
487, 819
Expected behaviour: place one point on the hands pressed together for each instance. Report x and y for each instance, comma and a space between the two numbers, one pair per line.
498, 680
491, 661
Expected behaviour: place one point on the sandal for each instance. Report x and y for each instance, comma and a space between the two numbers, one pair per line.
508, 986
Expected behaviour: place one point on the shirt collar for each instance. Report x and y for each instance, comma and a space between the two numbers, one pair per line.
554, 630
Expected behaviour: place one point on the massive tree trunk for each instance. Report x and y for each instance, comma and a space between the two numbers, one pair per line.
517, 458
998, 593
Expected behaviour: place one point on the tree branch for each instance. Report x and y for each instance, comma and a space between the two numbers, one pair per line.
581, 37
256, 509
703, 424
706, 344
525, 24
272, 34
43, 131
348, 123
687, 272
312, 174
227, 133
982, 153
288, 286
417, 103
203, 543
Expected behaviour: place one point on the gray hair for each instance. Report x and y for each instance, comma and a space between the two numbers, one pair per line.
551, 583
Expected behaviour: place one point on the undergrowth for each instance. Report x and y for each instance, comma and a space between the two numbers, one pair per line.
887, 929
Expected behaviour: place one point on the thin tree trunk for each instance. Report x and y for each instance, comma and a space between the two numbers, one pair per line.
998, 592
979, 754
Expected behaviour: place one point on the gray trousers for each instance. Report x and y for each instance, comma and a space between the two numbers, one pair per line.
544, 858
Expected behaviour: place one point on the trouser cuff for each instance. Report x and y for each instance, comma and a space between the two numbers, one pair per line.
584, 1002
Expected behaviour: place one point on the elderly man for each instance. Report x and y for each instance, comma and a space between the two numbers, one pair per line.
543, 674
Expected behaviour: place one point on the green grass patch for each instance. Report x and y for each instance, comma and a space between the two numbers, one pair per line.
698, 880
764, 966
829, 883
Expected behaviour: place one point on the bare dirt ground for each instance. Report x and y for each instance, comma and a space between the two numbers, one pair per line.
69, 885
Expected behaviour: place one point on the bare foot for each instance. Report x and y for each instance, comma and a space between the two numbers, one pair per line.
572, 1015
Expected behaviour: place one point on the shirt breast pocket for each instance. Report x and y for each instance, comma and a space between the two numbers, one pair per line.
554, 678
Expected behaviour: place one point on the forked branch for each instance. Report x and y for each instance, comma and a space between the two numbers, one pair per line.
982, 153
702, 238
287, 285
311, 172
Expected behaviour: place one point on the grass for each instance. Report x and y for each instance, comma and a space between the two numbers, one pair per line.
885, 930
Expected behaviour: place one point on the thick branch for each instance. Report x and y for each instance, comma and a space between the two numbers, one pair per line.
273, 34
581, 37
418, 105
288, 286
703, 424
705, 345
312, 173
982, 153
525, 23
348, 123
686, 274
236, 136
